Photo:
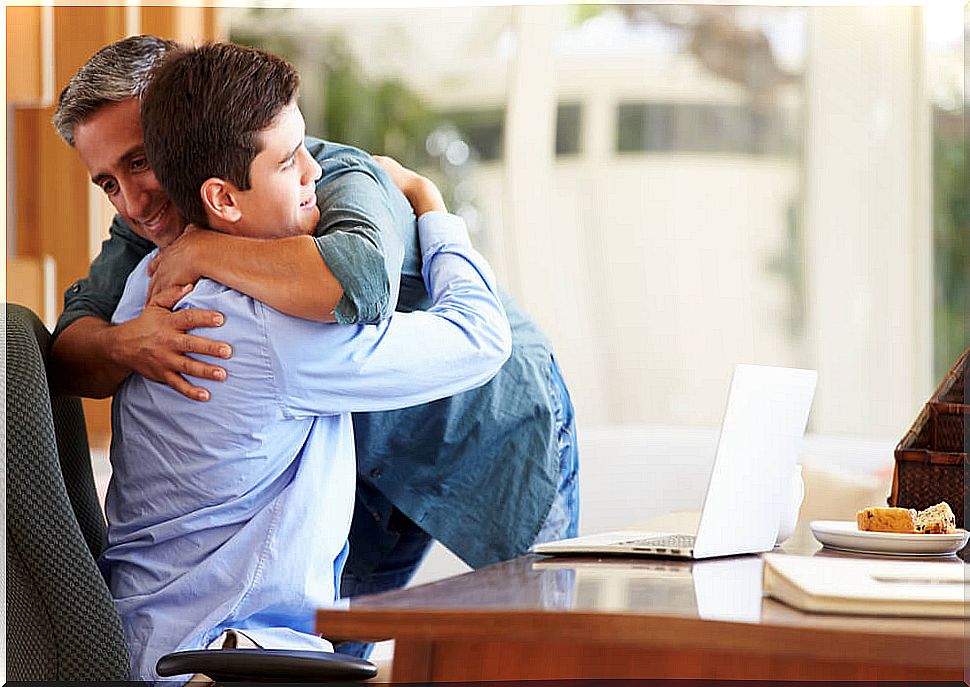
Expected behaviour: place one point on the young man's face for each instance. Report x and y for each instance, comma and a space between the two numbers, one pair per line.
281, 200
112, 147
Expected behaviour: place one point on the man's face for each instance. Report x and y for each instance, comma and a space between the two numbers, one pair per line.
112, 147
281, 200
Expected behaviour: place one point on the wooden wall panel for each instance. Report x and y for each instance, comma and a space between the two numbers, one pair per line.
97, 415
79, 31
26, 172
59, 199
26, 61
214, 28
25, 283
160, 21
185, 24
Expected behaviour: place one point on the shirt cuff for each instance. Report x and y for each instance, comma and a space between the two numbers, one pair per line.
436, 228
70, 317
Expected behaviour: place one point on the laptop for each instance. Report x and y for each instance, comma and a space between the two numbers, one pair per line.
764, 421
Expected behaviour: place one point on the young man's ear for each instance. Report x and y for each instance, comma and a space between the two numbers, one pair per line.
219, 199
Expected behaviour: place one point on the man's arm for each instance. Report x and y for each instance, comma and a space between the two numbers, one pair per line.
91, 357
286, 274
420, 191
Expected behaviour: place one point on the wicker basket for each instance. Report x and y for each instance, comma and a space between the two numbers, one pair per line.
931, 460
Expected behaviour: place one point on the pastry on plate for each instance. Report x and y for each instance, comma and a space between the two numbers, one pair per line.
901, 520
938, 519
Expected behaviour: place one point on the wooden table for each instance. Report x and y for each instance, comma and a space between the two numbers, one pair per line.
541, 618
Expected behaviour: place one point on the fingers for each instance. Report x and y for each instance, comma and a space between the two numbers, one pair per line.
194, 393
168, 297
188, 367
187, 343
193, 318
195, 368
183, 366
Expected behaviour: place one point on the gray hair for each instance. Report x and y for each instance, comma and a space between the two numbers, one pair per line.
116, 72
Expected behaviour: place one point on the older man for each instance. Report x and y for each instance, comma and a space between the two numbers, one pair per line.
487, 472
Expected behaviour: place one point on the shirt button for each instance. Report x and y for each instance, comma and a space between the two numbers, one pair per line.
377, 516
375, 473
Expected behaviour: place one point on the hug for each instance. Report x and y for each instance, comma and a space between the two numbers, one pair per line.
281, 438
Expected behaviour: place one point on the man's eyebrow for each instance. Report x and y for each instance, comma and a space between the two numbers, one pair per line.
127, 155
291, 153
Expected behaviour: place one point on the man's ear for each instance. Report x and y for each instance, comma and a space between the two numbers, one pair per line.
219, 199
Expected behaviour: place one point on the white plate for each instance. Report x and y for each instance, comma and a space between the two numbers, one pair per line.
840, 534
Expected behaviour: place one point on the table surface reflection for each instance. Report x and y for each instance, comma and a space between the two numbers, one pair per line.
540, 617
721, 589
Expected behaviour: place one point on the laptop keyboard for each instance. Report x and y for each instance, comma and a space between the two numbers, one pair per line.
682, 542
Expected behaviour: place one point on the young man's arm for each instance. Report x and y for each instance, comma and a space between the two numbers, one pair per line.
357, 238
459, 343
91, 357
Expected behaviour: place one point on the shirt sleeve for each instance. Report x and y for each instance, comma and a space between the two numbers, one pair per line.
458, 344
359, 234
98, 294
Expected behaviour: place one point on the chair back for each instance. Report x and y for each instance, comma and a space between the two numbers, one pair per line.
61, 622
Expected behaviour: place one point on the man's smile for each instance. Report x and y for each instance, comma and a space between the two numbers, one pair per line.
154, 222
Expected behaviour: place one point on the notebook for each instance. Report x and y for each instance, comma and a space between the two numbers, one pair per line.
869, 586
764, 421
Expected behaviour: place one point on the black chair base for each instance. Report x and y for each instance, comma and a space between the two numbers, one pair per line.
266, 665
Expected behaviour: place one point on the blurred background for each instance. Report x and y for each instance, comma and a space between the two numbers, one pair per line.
671, 189
668, 190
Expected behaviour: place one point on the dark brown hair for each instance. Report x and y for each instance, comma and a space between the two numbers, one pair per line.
202, 114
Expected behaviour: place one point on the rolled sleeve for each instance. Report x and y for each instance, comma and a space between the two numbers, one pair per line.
362, 230
355, 258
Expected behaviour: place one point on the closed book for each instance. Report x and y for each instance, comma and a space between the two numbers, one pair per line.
866, 586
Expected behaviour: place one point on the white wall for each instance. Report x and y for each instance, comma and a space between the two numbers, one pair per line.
659, 263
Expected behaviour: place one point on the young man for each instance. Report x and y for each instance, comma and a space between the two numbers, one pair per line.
233, 515
477, 471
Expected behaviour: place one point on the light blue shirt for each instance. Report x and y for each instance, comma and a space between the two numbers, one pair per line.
235, 513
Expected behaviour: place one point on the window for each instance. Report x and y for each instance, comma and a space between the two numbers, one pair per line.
700, 128
483, 130
569, 120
